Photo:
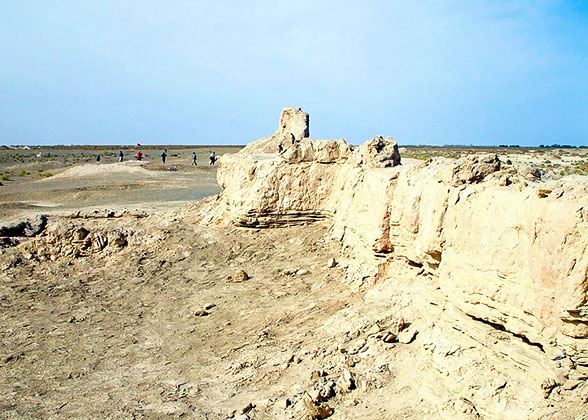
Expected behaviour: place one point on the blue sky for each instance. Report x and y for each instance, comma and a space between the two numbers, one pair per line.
202, 72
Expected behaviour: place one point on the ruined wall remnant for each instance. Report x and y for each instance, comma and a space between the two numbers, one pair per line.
293, 127
294, 121
497, 248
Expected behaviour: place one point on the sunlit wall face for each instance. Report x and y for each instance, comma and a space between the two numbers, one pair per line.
427, 72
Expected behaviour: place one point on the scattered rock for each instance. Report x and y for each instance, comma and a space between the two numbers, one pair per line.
543, 192
529, 173
572, 384
317, 374
374, 329
351, 361
248, 408
327, 390
100, 241
201, 312
547, 386
389, 337
379, 153
346, 381
473, 169
407, 336
302, 272
13, 357
317, 411
357, 346
238, 277
364, 385
331, 263
315, 395
467, 407
283, 403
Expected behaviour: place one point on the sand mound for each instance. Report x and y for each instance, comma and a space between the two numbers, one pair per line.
93, 170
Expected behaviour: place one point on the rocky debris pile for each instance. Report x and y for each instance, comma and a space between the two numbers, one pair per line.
29, 227
346, 368
106, 214
473, 169
75, 241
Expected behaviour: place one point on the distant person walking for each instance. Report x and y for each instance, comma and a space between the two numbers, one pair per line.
194, 163
120, 156
281, 146
97, 158
212, 158
139, 155
163, 156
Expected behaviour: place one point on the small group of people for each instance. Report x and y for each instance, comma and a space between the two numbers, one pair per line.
163, 156
212, 159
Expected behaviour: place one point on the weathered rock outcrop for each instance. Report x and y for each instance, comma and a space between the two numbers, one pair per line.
294, 126
379, 153
294, 121
499, 250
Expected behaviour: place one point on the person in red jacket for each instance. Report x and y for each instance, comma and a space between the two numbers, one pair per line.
139, 155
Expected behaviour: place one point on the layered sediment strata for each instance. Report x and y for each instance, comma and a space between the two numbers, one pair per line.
500, 250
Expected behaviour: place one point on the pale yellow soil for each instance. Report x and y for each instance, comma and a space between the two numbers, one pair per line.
114, 334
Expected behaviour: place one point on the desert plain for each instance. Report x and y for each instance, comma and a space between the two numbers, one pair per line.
323, 282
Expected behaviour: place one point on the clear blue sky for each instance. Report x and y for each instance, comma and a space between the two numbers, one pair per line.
219, 72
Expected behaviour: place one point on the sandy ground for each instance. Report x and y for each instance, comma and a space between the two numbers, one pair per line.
161, 325
38, 185
117, 334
